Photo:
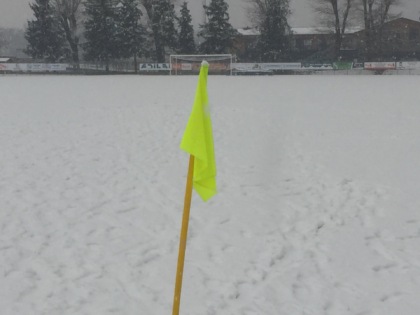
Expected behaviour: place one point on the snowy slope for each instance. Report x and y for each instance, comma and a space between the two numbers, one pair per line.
317, 211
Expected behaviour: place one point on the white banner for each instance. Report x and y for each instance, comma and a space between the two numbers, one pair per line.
408, 65
154, 67
33, 67
46, 67
92, 66
245, 66
255, 67
16, 67
282, 66
37, 67
379, 65
56, 67
318, 66
186, 66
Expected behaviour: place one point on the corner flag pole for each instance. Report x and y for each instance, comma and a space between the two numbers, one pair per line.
198, 142
183, 237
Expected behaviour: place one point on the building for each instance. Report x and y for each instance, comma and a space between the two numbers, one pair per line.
399, 39
244, 44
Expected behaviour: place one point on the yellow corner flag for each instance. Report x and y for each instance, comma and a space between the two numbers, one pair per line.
198, 140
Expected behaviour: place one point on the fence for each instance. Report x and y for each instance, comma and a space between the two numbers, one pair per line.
403, 67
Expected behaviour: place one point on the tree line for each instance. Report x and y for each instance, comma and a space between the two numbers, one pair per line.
122, 29
106, 30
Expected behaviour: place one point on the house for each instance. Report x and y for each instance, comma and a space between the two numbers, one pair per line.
305, 42
399, 39
244, 44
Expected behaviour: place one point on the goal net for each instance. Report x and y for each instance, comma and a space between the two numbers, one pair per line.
190, 64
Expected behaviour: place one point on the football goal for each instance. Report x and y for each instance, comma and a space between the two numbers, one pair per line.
190, 64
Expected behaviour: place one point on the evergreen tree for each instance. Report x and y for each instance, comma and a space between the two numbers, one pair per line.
186, 44
130, 31
101, 29
69, 16
45, 35
274, 42
217, 33
163, 26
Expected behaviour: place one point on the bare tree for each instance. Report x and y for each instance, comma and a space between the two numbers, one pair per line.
335, 14
375, 14
156, 23
69, 14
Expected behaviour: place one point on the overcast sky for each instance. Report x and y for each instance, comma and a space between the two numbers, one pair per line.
15, 13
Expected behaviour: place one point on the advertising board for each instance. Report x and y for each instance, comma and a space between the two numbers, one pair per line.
154, 67
265, 67
408, 65
186, 66
317, 66
342, 65
282, 66
379, 65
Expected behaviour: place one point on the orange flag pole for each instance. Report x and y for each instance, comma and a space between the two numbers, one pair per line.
183, 237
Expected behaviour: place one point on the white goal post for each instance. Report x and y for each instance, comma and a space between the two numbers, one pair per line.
190, 64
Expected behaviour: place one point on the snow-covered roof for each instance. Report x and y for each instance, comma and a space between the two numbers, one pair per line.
321, 30
300, 30
248, 31
310, 30
354, 29
4, 59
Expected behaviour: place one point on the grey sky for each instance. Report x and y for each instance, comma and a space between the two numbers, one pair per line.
15, 13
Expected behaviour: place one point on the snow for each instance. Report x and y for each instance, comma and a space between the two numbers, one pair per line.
317, 210
322, 30
248, 31
301, 30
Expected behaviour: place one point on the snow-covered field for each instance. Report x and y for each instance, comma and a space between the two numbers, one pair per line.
318, 210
